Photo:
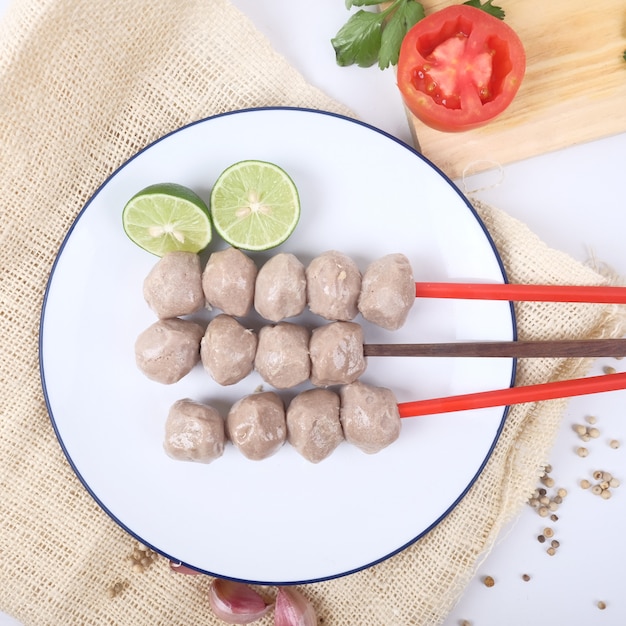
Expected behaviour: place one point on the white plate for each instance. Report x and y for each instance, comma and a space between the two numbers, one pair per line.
282, 520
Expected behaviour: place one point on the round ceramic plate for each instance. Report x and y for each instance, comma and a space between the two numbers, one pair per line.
281, 520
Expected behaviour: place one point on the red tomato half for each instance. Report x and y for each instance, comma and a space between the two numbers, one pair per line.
459, 68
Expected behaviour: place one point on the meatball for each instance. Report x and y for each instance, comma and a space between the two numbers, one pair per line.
313, 426
282, 356
194, 432
227, 350
333, 286
256, 425
168, 349
336, 352
387, 291
369, 416
174, 285
280, 289
228, 281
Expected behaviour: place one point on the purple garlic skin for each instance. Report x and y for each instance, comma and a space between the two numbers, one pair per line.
168, 349
173, 287
333, 286
387, 291
293, 608
236, 603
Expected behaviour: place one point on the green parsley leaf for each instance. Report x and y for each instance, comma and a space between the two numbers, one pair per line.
369, 37
358, 40
361, 3
488, 7
404, 18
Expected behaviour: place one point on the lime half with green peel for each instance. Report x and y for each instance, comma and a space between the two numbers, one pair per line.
167, 217
254, 205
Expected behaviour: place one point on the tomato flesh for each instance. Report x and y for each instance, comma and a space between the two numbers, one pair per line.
460, 68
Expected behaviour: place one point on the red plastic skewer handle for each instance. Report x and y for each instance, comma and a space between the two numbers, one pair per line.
519, 293
515, 395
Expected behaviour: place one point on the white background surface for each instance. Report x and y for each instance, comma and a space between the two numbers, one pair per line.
572, 200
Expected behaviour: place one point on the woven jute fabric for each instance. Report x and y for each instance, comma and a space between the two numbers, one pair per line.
83, 86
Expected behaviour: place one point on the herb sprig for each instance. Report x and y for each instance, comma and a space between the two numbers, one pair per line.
371, 37
375, 37
488, 7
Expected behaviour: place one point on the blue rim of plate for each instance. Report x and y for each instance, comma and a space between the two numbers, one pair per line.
436, 522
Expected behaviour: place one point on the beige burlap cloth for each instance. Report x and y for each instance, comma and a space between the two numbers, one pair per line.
83, 86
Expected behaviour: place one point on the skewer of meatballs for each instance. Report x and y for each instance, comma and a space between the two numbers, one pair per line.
331, 286
315, 422
285, 354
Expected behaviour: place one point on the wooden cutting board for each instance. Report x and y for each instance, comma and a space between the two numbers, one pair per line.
574, 89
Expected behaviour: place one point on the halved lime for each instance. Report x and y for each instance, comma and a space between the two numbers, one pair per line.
167, 217
254, 205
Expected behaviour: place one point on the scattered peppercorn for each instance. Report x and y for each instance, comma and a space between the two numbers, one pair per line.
117, 588
141, 558
605, 481
489, 581
525, 577
601, 605
614, 443
580, 429
541, 500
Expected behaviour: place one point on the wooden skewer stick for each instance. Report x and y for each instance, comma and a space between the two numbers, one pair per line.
572, 348
518, 293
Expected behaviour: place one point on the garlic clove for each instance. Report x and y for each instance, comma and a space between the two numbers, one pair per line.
236, 603
293, 609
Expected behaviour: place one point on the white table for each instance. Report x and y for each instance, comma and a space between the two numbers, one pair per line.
572, 199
